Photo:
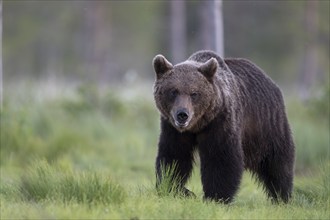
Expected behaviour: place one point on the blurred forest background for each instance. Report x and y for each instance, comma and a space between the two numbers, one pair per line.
114, 41
92, 60
77, 97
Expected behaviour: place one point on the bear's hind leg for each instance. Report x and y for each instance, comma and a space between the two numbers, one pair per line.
277, 177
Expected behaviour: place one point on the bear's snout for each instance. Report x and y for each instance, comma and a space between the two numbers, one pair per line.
182, 116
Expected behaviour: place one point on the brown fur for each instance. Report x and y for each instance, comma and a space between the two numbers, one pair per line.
233, 114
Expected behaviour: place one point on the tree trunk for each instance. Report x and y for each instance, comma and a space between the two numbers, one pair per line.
310, 57
207, 29
178, 31
1, 75
211, 26
97, 52
218, 20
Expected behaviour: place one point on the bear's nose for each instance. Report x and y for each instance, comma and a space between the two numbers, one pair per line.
182, 116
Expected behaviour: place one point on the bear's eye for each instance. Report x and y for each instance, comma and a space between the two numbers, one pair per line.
173, 93
194, 95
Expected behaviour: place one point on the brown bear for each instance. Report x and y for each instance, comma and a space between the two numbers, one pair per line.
233, 114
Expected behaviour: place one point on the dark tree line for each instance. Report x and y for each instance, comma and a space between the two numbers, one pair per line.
110, 41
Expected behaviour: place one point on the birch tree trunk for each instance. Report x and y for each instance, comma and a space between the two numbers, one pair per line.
211, 26
218, 22
178, 30
310, 58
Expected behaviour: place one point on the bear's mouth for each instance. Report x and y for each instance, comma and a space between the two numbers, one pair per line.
181, 124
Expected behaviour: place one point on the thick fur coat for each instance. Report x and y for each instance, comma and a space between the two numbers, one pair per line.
233, 114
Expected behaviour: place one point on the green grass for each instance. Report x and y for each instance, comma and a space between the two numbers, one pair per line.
45, 182
44, 194
89, 153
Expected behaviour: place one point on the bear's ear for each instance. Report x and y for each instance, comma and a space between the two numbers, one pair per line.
161, 65
209, 68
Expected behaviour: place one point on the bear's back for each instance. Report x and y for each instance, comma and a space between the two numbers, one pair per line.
255, 85
258, 91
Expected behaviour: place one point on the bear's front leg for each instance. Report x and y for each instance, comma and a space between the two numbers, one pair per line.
221, 163
175, 153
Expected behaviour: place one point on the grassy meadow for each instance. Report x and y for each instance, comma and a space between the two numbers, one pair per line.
88, 152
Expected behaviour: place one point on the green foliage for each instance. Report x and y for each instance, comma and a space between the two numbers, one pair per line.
310, 191
43, 181
320, 104
39, 183
87, 121
309, 122
170, 184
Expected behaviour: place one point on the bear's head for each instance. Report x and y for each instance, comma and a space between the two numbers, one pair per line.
185, 93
